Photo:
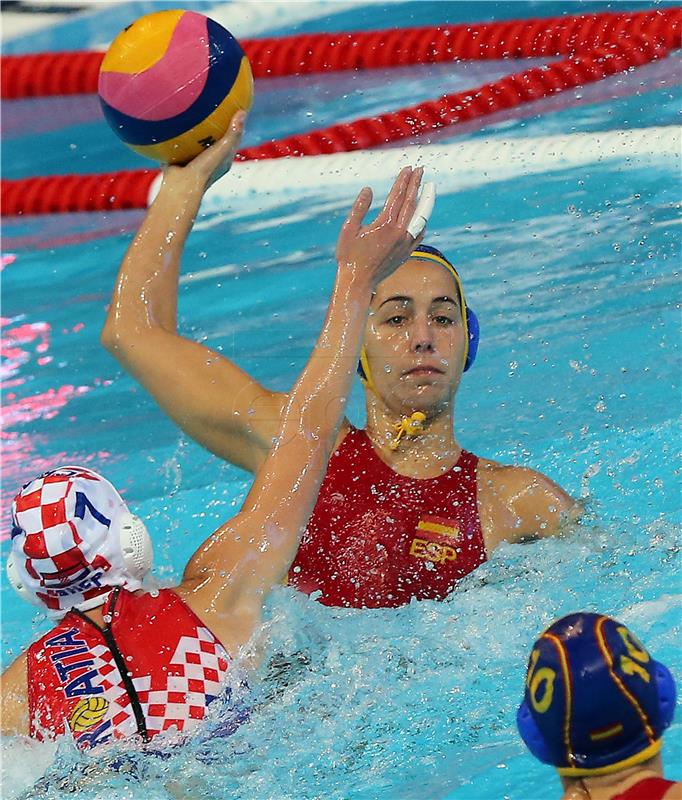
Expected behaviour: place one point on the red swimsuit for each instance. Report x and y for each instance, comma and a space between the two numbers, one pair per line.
378, 539
647, 789
155, 666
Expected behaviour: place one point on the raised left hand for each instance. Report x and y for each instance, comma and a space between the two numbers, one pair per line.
376, 250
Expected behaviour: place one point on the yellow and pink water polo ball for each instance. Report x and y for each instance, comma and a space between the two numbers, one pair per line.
171, 82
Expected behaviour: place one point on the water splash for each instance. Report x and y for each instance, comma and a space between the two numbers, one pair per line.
401, 704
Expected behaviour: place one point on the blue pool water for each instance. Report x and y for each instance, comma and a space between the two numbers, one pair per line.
574, 274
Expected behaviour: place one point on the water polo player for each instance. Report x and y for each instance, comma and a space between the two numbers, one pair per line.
122, 661
595, 707
403, 511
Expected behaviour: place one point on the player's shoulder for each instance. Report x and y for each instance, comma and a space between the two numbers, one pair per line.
511, 475
674, 792
534, 500
495, 472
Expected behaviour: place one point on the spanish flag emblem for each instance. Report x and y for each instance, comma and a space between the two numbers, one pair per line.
439, 525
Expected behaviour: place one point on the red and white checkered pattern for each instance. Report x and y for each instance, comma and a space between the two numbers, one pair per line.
175, 663
52, 539
63, 548
196, 675
120, 711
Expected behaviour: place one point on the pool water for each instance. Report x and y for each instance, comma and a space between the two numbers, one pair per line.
574, 275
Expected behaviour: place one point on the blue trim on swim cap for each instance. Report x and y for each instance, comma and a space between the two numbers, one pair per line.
434, 251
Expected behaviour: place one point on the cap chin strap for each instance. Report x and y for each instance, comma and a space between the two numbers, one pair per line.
137, 556
412, 426
86, 605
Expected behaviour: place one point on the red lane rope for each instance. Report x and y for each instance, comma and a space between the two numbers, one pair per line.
45, 74
555, 36
512, 90
62, 193
630, 44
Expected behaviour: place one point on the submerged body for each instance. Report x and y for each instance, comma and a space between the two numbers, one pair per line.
149, 667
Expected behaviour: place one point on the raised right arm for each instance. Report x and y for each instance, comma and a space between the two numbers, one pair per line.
208, 396
230, 574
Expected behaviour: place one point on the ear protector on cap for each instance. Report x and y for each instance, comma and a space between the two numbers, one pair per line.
474, 332
136, 545
530, 733
667, 694
17, 584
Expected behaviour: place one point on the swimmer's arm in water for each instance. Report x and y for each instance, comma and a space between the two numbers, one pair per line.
14, 693
230, 575
518, 504
208, 396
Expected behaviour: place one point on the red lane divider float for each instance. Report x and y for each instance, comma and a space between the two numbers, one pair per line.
45, 74
62, 193
508, 92
599, 45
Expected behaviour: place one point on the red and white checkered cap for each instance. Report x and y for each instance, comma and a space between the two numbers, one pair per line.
66, 542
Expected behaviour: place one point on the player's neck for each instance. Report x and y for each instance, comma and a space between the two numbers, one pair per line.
98, 615
607, 786
427, 454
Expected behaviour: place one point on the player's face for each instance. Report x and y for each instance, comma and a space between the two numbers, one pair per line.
415, 338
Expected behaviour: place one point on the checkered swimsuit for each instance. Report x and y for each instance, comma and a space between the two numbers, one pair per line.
175, 664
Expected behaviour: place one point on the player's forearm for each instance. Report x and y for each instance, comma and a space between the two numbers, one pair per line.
318, 398
145, 294
311, 418
286, 486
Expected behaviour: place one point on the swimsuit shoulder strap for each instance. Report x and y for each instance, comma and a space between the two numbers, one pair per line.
355, 439
467, 462
653, 788
119, 660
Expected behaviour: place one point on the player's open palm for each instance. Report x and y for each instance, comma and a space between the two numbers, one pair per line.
378, 249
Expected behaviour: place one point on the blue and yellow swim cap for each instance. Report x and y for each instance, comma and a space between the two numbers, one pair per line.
595, 701
469, 319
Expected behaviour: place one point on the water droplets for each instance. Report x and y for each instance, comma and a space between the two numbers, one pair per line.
600, 406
